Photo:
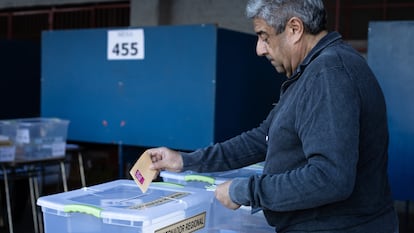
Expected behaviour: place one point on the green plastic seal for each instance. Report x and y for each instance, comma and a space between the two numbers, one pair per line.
85, 209
201, 178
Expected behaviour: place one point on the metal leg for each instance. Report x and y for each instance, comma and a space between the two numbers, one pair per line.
6, 188
39, 214
72, 149
407, 214
81, 169
33, 202
120, 161
62, 169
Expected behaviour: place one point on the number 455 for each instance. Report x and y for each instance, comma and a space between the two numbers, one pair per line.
125, 49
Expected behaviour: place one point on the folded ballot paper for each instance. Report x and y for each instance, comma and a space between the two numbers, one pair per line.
141, 172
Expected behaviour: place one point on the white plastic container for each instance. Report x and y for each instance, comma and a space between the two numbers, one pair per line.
41, 137
8, 131
224, 220
120, 206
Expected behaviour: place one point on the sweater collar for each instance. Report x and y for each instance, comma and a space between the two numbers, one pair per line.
327, 40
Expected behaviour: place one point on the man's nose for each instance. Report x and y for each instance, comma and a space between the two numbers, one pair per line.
260, 48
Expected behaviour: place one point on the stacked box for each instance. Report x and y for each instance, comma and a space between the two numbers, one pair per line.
8, 131
120, 206
41, 137
223, 219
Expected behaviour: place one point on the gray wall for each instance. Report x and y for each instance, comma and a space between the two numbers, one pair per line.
29, 3
225, 13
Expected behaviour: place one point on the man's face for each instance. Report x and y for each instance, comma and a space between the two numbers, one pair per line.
274, 47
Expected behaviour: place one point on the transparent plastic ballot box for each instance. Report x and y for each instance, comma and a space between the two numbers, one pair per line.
38, 137
224, 220
120, 206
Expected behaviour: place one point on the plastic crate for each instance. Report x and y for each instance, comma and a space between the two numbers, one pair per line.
8, 131
224, 220
41, 137
120, 206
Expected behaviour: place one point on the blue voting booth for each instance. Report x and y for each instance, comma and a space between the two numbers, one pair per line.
391, 56
183, 87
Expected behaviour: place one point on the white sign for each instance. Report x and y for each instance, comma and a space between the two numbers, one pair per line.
188, 225
58, 148
23, 136
126, 44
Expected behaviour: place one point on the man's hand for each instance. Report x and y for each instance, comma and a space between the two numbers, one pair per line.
222, 194
165, 159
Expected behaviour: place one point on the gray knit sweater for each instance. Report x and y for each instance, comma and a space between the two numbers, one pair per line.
325, 150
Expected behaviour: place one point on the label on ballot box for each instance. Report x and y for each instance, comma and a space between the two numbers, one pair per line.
120, 206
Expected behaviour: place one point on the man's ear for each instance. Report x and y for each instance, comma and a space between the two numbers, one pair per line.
295, 28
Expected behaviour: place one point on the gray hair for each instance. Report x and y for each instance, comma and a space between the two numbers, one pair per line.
276, 13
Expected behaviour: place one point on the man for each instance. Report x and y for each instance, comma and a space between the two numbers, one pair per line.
324, 144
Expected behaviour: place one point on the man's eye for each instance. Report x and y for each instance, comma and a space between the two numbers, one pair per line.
264, 39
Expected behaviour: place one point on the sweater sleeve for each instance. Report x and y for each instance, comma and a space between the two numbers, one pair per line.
245, 149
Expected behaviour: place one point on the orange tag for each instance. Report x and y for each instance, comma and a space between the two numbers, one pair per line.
141, 172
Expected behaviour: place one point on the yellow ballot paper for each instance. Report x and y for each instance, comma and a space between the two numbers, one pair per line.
142, 173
